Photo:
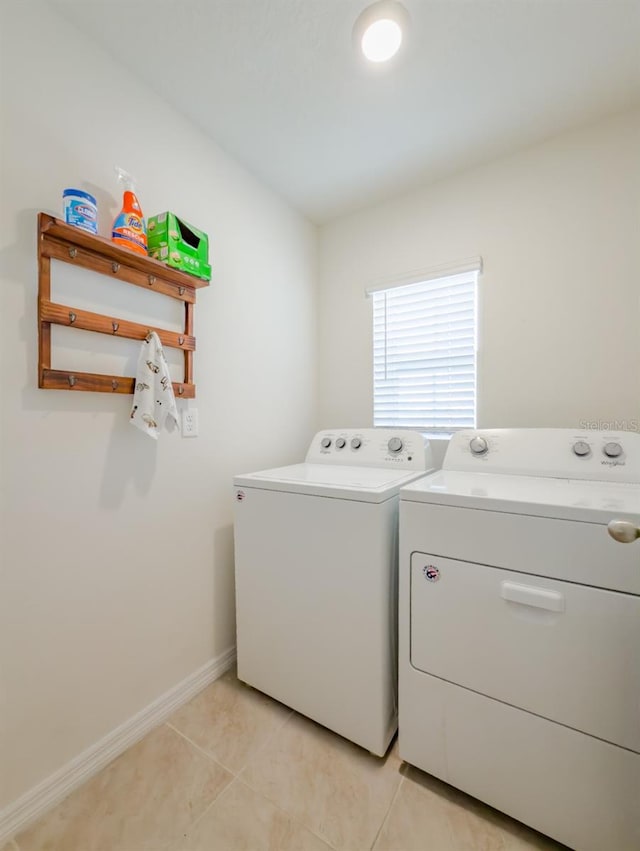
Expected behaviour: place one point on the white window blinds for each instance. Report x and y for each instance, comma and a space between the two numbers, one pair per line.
424, 354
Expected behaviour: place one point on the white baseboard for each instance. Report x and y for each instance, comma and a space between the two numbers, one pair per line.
53, 789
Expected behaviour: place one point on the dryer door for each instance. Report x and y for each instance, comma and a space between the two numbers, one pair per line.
564, 651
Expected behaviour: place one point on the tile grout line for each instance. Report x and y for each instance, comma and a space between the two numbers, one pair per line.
289, 815
293, 817
246, 783
262, 747
235, 774
221, 764
202, 750
386, 816
280, 807
223, 791
237, 778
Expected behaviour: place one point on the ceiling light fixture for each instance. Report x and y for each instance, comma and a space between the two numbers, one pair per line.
380, 29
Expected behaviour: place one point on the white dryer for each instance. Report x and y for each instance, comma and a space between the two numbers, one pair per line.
316, 579
520, 629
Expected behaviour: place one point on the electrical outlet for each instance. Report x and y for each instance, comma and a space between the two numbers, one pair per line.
190, 422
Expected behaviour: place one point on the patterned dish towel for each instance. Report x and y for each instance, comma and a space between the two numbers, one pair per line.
153, 399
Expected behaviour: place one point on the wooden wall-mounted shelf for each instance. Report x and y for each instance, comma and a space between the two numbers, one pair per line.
59, 241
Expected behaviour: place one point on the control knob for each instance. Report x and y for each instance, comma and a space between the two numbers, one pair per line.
478, 445
325, 442
395, 445
341, 443
612, 450
356, 443
581, 448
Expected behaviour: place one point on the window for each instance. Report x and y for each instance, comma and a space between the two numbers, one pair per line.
424, 352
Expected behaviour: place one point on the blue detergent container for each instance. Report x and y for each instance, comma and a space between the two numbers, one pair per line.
80, 209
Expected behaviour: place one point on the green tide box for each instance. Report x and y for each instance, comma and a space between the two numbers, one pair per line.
178, 244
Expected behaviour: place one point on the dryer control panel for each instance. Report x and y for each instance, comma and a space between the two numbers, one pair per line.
371, 447
559, 453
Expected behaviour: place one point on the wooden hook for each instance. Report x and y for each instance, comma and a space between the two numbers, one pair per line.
115, 267
180, 390
180, 340
115, 326
72, 380
152, 280
73, 253
114, 384
181, 290
72, 317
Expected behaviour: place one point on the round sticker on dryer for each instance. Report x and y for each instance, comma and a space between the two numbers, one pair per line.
431, 573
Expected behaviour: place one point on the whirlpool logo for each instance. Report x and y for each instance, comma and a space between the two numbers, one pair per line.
431, 573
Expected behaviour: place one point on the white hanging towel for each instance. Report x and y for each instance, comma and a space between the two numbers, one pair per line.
153, 399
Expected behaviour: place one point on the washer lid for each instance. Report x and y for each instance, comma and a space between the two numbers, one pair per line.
366, 484
568, 499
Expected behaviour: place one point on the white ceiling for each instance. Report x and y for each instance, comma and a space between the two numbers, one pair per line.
278, 84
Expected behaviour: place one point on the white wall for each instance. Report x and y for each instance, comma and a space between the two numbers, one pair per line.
557, 226
117, 552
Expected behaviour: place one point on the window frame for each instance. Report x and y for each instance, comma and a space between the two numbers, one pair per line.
472, 269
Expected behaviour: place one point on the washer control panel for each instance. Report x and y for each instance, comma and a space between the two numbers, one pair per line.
372, 447
612, 450
550, 452
581, 448
395, 445
478, 445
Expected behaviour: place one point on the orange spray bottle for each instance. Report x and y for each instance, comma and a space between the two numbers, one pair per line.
129, 228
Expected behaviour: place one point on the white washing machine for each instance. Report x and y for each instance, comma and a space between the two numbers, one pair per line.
316, 579
520, 629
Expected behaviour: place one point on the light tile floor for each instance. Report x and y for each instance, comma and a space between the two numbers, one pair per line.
234, 770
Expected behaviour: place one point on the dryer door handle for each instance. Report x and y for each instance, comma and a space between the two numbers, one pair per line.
623, 531
529, 595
